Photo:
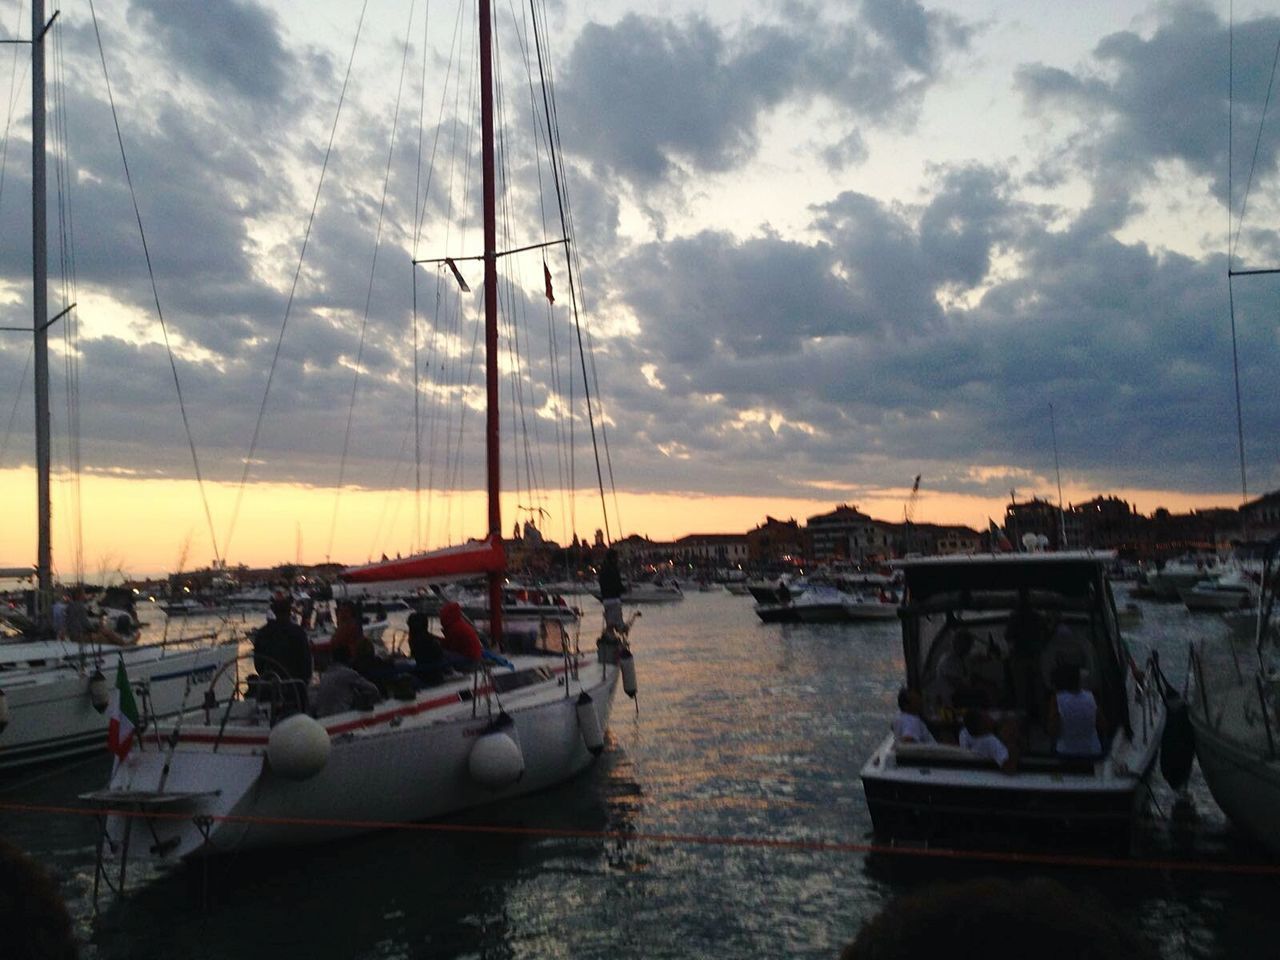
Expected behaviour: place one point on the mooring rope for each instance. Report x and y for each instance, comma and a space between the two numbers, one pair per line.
816, 845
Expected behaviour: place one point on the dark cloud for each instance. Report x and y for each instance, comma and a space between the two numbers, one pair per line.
231, 46
1147, 100
653, 98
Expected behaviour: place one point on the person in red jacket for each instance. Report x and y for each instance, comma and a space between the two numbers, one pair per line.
460, 638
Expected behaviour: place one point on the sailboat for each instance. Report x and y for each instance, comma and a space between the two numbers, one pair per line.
243, 772
54, 692
1235, 712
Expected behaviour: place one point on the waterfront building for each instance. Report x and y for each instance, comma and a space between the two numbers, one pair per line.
847, 533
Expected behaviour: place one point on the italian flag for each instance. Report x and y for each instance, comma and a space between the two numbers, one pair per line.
123, 715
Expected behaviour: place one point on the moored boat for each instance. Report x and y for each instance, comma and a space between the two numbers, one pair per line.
1234, 703
1013, 620
251, 770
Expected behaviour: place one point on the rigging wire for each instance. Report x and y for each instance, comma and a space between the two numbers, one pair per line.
15, 87
1233, 239
368, 297
164, 328
68, 283
293, 289
560, 174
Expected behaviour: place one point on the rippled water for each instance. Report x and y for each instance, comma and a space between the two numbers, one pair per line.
748, 733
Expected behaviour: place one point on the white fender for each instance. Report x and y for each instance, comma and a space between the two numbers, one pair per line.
496, 760
627, 662
4, 711
99, 695
589, 724
298, 747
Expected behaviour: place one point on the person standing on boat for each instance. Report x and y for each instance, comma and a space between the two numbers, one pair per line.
611, 590
59, 613
281, 650
1076, 722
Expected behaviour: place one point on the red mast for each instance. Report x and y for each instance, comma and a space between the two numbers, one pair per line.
492, 419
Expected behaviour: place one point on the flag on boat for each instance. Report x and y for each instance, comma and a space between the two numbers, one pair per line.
546, 275
123, 713
999, 542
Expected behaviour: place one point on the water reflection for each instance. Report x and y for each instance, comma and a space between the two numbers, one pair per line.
744, 730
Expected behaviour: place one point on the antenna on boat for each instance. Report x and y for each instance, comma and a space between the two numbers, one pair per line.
1062, 517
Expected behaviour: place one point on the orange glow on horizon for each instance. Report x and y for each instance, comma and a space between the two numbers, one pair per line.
144, 527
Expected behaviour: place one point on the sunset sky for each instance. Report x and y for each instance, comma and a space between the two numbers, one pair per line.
824, 247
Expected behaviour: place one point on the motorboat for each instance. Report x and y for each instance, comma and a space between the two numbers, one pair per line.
872, 606
1233, 697
1225, 592
1011, 620
822, 603
647, 591
1168, 582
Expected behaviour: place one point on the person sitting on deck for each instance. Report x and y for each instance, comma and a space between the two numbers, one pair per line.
424, 647
959, 685
281, 650
348, 631
1076, 722
461, 643
909, 725
341, 687
978, 736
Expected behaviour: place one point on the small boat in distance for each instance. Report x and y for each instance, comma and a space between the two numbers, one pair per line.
985, 635
1220, 594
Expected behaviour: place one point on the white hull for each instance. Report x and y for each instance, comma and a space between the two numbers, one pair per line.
403, 761
1245, 783
51, 714
871, 610
1237, 757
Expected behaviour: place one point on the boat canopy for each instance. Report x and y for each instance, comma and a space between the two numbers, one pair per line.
946, 596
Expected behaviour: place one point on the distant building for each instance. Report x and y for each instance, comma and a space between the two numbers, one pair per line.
712, 549
1043, 519
846, 533
777, 542
1261, 516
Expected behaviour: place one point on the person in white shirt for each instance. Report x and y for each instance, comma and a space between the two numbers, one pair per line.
1076, 722
909, 725
977, 735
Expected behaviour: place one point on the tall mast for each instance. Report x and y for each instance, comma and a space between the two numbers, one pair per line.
492, 420
40, 318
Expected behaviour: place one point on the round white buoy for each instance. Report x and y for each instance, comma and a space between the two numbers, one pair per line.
298, 747
99, 695
4, 711
589, 724
627, 662
496, 760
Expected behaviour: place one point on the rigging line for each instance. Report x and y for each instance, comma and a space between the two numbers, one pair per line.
70, 326
17, 397
368, 297
293, 289
1235, 368
1257, 145
1231, 113
536, 468
557, 162
15, 86
417, 234
155, 292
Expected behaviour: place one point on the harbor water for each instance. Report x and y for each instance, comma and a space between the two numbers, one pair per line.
725, 819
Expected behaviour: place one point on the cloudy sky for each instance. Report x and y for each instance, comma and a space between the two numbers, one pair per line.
824, 247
